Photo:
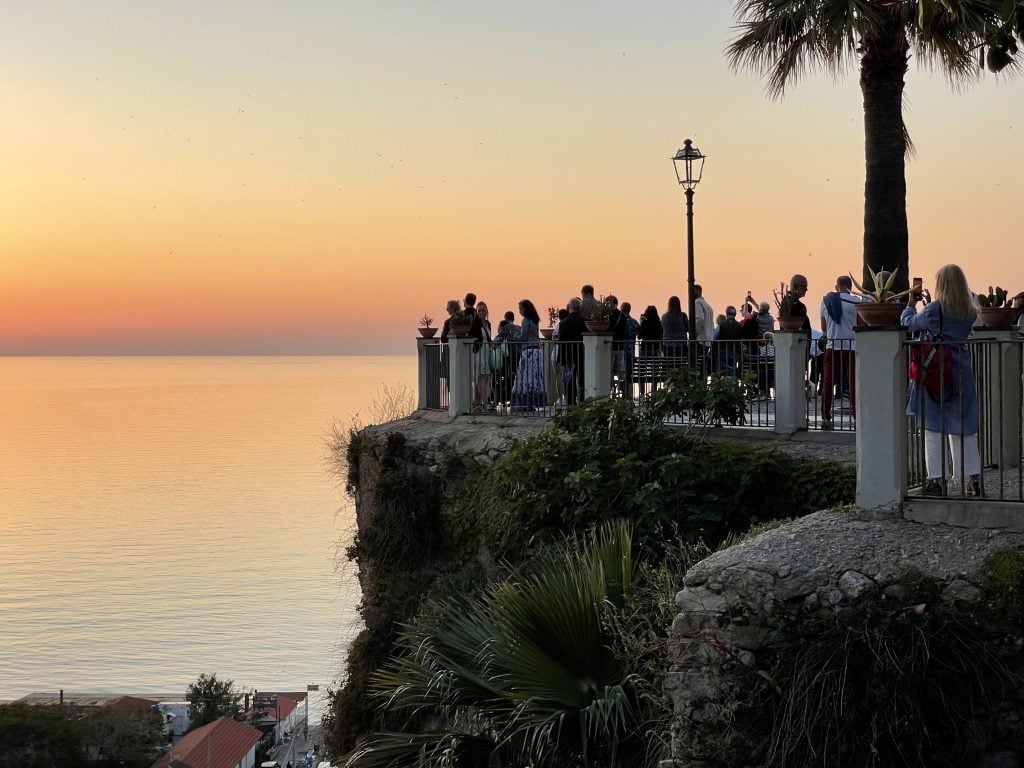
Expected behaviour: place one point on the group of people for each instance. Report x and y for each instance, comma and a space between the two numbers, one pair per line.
508, 360
510, 367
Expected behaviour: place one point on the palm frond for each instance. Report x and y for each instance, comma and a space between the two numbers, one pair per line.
952, 38
530, 663
439, 749
785, 39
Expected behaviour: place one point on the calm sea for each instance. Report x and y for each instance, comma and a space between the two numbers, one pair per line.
166, 516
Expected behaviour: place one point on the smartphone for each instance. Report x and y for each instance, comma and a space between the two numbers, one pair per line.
918, 287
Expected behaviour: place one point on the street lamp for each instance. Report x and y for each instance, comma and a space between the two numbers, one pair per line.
689, 165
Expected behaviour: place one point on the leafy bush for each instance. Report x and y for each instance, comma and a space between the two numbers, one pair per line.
705, 401
604, 460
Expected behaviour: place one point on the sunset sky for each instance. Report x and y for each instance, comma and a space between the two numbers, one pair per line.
311, 177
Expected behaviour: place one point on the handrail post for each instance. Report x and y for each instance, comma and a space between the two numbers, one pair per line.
881, 418
460, 352
790, 381
597, 364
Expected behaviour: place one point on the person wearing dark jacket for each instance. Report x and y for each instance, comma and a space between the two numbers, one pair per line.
798, 289
570, 351
727, 344
617, 327
651, 333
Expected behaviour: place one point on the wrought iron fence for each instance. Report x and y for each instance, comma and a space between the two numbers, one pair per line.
965, 426
752, 361
528, 379
436, 396
832, 386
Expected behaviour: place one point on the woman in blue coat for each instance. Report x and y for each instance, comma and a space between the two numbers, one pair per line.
955, 413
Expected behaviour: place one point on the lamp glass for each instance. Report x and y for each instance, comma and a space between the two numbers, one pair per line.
689, 165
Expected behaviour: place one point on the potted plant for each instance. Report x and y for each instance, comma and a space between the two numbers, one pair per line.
427, 329
459, 323
548, 332
994, 309
881, 304
785, 301
600, 317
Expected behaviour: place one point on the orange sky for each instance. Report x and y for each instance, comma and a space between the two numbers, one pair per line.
255, 178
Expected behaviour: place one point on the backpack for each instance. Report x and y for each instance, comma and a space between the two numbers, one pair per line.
931, 366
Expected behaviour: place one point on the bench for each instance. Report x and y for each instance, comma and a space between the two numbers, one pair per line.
651, 372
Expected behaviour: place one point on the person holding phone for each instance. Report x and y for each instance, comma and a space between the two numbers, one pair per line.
954, 414
838, 316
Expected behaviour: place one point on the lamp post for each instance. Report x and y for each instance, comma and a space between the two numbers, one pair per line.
689, 165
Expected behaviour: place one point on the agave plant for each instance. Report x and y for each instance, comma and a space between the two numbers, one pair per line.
881, 290
522, 675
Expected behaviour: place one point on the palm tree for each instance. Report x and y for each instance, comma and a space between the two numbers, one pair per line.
525, 674
784, 38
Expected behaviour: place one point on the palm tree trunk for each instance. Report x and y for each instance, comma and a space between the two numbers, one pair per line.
883, 66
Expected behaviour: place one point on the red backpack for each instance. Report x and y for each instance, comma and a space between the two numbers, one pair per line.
931, 366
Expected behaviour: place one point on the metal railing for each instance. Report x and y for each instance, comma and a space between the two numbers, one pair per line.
536, 379
435, 377
832, 386
964, 439
649, 370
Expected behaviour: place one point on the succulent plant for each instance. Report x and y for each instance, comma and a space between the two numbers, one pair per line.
996, 297
881, 290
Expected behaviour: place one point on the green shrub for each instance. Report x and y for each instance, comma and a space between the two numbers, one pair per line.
604, 460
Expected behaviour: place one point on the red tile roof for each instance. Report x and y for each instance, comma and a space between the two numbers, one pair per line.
286, 704
223, 743
131, 702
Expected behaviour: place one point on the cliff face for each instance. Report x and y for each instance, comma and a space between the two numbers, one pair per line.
840, 633
404, 476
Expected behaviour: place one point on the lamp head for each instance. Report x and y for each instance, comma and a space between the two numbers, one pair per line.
689, 165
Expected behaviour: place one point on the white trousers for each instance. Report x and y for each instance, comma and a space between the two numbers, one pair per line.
960, 446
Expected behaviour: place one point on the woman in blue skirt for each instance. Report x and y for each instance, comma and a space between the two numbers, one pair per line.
530, 391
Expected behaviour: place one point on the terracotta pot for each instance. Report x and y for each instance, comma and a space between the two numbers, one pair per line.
791, 323
460, 329
428, 333
998, 317
597, 326
546, 332
878, 314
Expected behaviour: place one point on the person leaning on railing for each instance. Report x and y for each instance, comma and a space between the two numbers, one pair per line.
955, 413
1018, 306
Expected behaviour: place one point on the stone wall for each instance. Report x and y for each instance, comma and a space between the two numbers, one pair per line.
731, 602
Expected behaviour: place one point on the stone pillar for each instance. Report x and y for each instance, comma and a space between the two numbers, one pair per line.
790, 381
881, 417
597, 364
1000, 397
428, 374
460, 356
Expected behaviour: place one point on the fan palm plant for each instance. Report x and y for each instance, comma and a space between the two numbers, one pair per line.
524, 674
785, 38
